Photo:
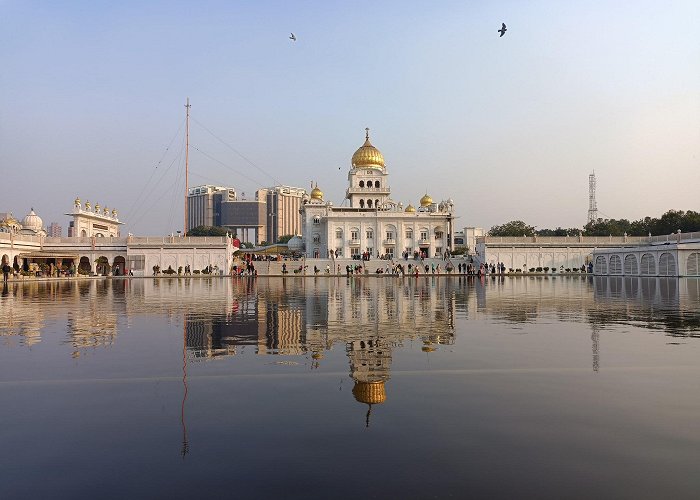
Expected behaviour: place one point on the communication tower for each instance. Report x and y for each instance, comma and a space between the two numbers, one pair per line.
592, 206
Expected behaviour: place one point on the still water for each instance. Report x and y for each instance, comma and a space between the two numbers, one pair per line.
351, 388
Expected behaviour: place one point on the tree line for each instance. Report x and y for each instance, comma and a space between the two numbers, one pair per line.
668, 223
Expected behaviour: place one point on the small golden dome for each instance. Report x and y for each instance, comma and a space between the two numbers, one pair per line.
426, 201
367, 155
114, 212
410, 209
87, 204
97, 207
77, 201
316, 194
369, 392
427, 348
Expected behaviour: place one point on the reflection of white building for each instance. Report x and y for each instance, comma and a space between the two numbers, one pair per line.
88, 222
373, 222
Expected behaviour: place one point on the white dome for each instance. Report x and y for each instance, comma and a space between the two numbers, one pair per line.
295, 244
32, 221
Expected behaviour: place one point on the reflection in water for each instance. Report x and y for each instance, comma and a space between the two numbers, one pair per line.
510, 382
669, 304
368, 317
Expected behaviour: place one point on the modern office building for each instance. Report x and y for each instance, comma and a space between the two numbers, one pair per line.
55, 230
204, 205
283, 210
247, 219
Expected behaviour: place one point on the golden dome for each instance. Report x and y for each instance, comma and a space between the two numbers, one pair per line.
97, 208
426, 201
410, 209
114, 213
316, 194
77, 201
369, 392
367, 155
87, 204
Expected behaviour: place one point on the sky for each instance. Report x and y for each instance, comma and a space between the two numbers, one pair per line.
509, 128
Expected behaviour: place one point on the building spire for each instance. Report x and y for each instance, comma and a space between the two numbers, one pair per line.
367, 133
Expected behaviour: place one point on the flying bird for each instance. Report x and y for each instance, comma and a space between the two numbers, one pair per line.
503, 29
293, 37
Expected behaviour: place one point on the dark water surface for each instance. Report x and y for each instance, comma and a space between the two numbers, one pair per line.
361, 388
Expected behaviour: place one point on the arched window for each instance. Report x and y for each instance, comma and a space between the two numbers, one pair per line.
648, 265
601, 265
376, 184
667, 265
317, 238
409, 234
370, 234
339, 234
369, 203
362, 184
631, 267
317, 219
694, 264
615, 264
376, 203
362, 203
83, 233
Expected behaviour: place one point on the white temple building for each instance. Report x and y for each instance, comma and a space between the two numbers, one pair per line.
373, 223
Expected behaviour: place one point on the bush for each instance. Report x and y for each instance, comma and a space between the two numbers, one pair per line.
568, 269
510, 269
169, 271
532, 269
538, 269
546, 268
179, 270
196, 271
517, 270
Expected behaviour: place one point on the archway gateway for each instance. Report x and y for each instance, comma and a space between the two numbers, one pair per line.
119, 266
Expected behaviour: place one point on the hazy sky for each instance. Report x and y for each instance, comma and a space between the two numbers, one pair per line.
510, 128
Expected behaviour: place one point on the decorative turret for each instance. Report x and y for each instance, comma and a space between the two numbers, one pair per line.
410, 209
316, 194
77, 202
87, 205
426, 201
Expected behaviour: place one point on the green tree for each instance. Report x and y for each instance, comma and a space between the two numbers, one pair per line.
285, 238
512, 228
207, 231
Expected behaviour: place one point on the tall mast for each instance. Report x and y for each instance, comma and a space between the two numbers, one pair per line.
187, 163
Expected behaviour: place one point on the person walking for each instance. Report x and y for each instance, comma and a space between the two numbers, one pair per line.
5, 272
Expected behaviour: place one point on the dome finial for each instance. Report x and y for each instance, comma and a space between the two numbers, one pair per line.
367, 133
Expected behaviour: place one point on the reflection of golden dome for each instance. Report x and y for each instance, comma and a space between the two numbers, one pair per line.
426, 201
369, 392
317, 355
410, 209
316, 194
427, 348
367, 155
